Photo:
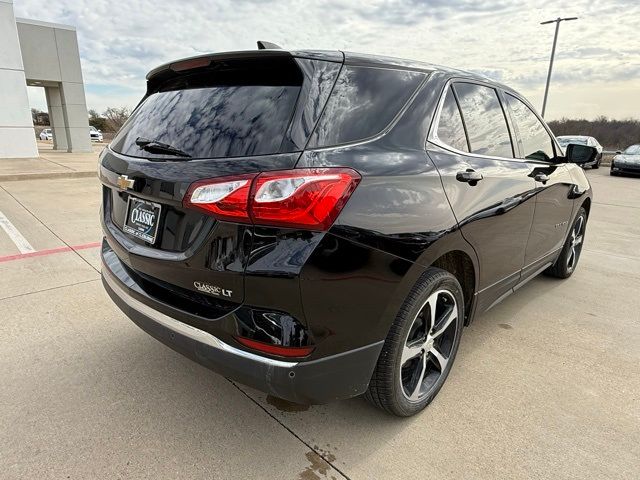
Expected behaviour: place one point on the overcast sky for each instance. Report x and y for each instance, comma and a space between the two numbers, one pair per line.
597, 68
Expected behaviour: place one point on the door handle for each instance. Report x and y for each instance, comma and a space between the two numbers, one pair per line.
541, 177
469, 176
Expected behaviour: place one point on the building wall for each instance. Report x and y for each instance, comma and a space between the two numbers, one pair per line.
46, 55
52, 59
17, 138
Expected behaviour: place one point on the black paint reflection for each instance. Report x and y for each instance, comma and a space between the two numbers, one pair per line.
319, 80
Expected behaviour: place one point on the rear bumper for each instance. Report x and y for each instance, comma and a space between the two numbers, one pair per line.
317, 381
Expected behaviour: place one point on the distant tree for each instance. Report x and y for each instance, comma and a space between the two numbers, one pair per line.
97, 120
39, 117
115, 117
612, 134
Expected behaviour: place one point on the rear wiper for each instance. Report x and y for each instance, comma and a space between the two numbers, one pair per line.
154, 146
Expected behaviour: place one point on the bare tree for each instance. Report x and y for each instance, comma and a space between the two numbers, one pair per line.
115, 117
612, 134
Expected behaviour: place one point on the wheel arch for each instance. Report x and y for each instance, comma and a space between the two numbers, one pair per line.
455, 255
459, 264
587, 205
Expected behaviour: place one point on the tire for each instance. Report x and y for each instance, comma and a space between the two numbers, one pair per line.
596, 165
416, 357
567, 261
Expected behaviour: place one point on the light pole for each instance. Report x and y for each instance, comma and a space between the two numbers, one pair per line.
553, 52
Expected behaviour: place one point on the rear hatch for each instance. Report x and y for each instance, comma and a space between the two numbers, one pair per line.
202, 118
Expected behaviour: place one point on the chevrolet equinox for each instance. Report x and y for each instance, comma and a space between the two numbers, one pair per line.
320, 225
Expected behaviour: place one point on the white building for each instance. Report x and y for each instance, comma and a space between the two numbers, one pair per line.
46, 55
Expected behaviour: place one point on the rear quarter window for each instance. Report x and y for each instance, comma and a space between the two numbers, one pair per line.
364, 101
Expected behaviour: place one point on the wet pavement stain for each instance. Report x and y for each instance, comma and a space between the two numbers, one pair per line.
506, 326
324, 453
318, 468
285, 405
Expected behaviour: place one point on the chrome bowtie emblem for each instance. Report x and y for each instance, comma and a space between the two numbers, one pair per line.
125, 182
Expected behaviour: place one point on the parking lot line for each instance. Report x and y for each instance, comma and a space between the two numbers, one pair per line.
50, 251
14, 234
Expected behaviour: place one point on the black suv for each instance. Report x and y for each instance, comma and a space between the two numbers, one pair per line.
321, 225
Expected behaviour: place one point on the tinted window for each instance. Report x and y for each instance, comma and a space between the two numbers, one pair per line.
232, 108
536, 141
450, 128
484, 119
363, 102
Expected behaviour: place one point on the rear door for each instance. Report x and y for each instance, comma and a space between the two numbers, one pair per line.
554, 205
489, 190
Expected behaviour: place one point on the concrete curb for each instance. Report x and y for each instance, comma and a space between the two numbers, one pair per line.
14, 177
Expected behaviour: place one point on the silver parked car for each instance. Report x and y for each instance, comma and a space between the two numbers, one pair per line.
565, 140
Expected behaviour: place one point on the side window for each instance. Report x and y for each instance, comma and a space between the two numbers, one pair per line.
363, 102
450, 128
536, 141
485, 121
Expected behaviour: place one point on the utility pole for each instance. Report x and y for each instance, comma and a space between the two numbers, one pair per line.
553, 53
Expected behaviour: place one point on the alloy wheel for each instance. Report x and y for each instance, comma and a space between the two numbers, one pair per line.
575, 243
428, 345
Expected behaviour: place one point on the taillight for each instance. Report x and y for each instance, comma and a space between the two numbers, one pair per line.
309, 198
225, 198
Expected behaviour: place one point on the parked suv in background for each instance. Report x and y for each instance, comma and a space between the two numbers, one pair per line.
321, 225
46, 134
95, 134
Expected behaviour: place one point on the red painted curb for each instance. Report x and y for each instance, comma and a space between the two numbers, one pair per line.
51, 251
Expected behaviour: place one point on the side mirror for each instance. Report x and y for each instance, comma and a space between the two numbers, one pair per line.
618, 152
580, 154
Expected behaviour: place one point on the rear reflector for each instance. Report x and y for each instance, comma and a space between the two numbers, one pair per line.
275, 349
309, 198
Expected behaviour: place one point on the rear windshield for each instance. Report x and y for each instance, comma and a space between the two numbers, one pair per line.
218, 113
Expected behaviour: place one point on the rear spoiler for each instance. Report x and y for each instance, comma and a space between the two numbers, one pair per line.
170, 69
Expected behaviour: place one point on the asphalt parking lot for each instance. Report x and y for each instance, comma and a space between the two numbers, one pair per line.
546, 385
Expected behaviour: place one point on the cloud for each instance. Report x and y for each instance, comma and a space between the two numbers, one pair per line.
413, 12
502, 39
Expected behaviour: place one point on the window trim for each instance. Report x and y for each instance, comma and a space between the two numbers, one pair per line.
504, 115
432, 137
554, 145
464, 125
